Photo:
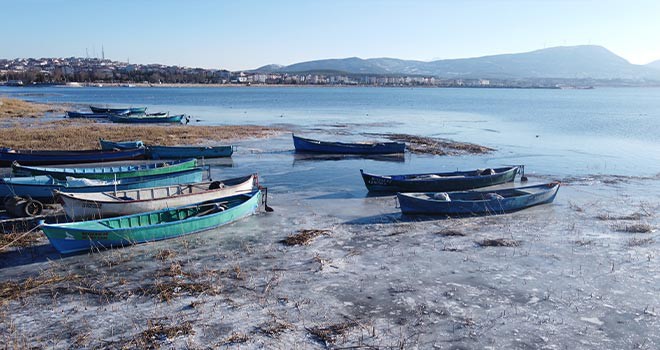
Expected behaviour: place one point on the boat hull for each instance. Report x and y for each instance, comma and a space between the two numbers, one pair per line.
41, 187
145, 119
131, 110
107, 173
110, 145
77, 206
438, 182
411, 204
72, 114
75, 237
315, 146
175, 152
8, 156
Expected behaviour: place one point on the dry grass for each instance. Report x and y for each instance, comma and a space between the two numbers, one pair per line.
236, 338
12, 290
607, 216
165, 254
156, 333
436, 146
13, 108
329, 334
451, 233
173, 281
20, 240
498, 242
635, 228
637, 242
275, 328
304, 237
85, 135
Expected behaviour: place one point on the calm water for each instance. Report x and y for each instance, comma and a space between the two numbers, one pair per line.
555, 132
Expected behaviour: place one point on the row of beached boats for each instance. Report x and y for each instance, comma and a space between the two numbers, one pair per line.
448, 193
114, 206
128, 115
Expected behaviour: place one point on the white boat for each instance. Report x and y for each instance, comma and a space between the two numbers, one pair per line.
97, 205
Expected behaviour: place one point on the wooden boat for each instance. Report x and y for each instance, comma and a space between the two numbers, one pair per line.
116, 118
177, 152
30, 157
108, 172
108, 204
151, 226
72, 114
477, 201
110, 145
316, 146
118, 110
174, 152
157, 114
439, 182
41, 187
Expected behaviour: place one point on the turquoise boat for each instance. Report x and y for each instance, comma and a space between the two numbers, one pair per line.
117, 118
152, 226
107, 172
41, 188
96, 109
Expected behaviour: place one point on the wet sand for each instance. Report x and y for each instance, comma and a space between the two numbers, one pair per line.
581, 272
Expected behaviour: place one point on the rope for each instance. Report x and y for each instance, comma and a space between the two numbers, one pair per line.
19, 237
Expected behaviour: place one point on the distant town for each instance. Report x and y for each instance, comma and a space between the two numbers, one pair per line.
76, 71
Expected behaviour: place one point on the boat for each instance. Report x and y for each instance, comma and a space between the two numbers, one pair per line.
157, 114
316, 146
151, 226
41, 187
110, 145
123, 118
98, 205
485, 201
32, 157
173, 152
72, 114
130, 110
106, 172
439, 182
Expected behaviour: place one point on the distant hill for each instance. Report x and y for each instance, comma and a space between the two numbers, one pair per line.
654, 65
567, 62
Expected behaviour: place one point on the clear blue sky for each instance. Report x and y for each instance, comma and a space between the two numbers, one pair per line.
247, 34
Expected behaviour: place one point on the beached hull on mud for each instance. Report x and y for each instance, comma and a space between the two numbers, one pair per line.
437, 182
30, 157
147, 227
478, 201
145, 119
131, 110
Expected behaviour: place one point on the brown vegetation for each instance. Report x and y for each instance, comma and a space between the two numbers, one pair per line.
435, 146
13, 108
329, 334
85, 135
304, 237
498, 242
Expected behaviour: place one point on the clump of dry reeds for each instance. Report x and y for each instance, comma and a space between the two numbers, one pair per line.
637, 242
436, 146
275, 328
165, 254
236, 338
12, 290
85, 135
21, 240
329, 334
498, 242
173, 281
13, 108
450, 233
635, 228
157, 332
304, 237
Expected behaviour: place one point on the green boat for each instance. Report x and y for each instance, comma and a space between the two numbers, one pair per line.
107, 172
152, 226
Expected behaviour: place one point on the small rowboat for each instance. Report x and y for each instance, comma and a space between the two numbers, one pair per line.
439, 182
72, 114
316, 146
116, 118
108, 204
477, 201
108, 172
30, 157
41, 187
118, 110
173, 152
152, 226
109, 145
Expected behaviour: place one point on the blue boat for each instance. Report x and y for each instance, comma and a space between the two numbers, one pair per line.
315, 146
151, 226
173, 152
439, 182
110, 145
41, 187
31, 157
72, 114
130, 110
485, 201
117, 118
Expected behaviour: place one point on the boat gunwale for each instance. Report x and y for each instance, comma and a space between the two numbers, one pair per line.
551, 186
389, 177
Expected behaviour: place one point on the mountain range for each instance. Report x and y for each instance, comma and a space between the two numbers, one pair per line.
563, 62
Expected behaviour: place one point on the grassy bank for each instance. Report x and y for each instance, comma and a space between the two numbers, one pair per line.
14, 108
